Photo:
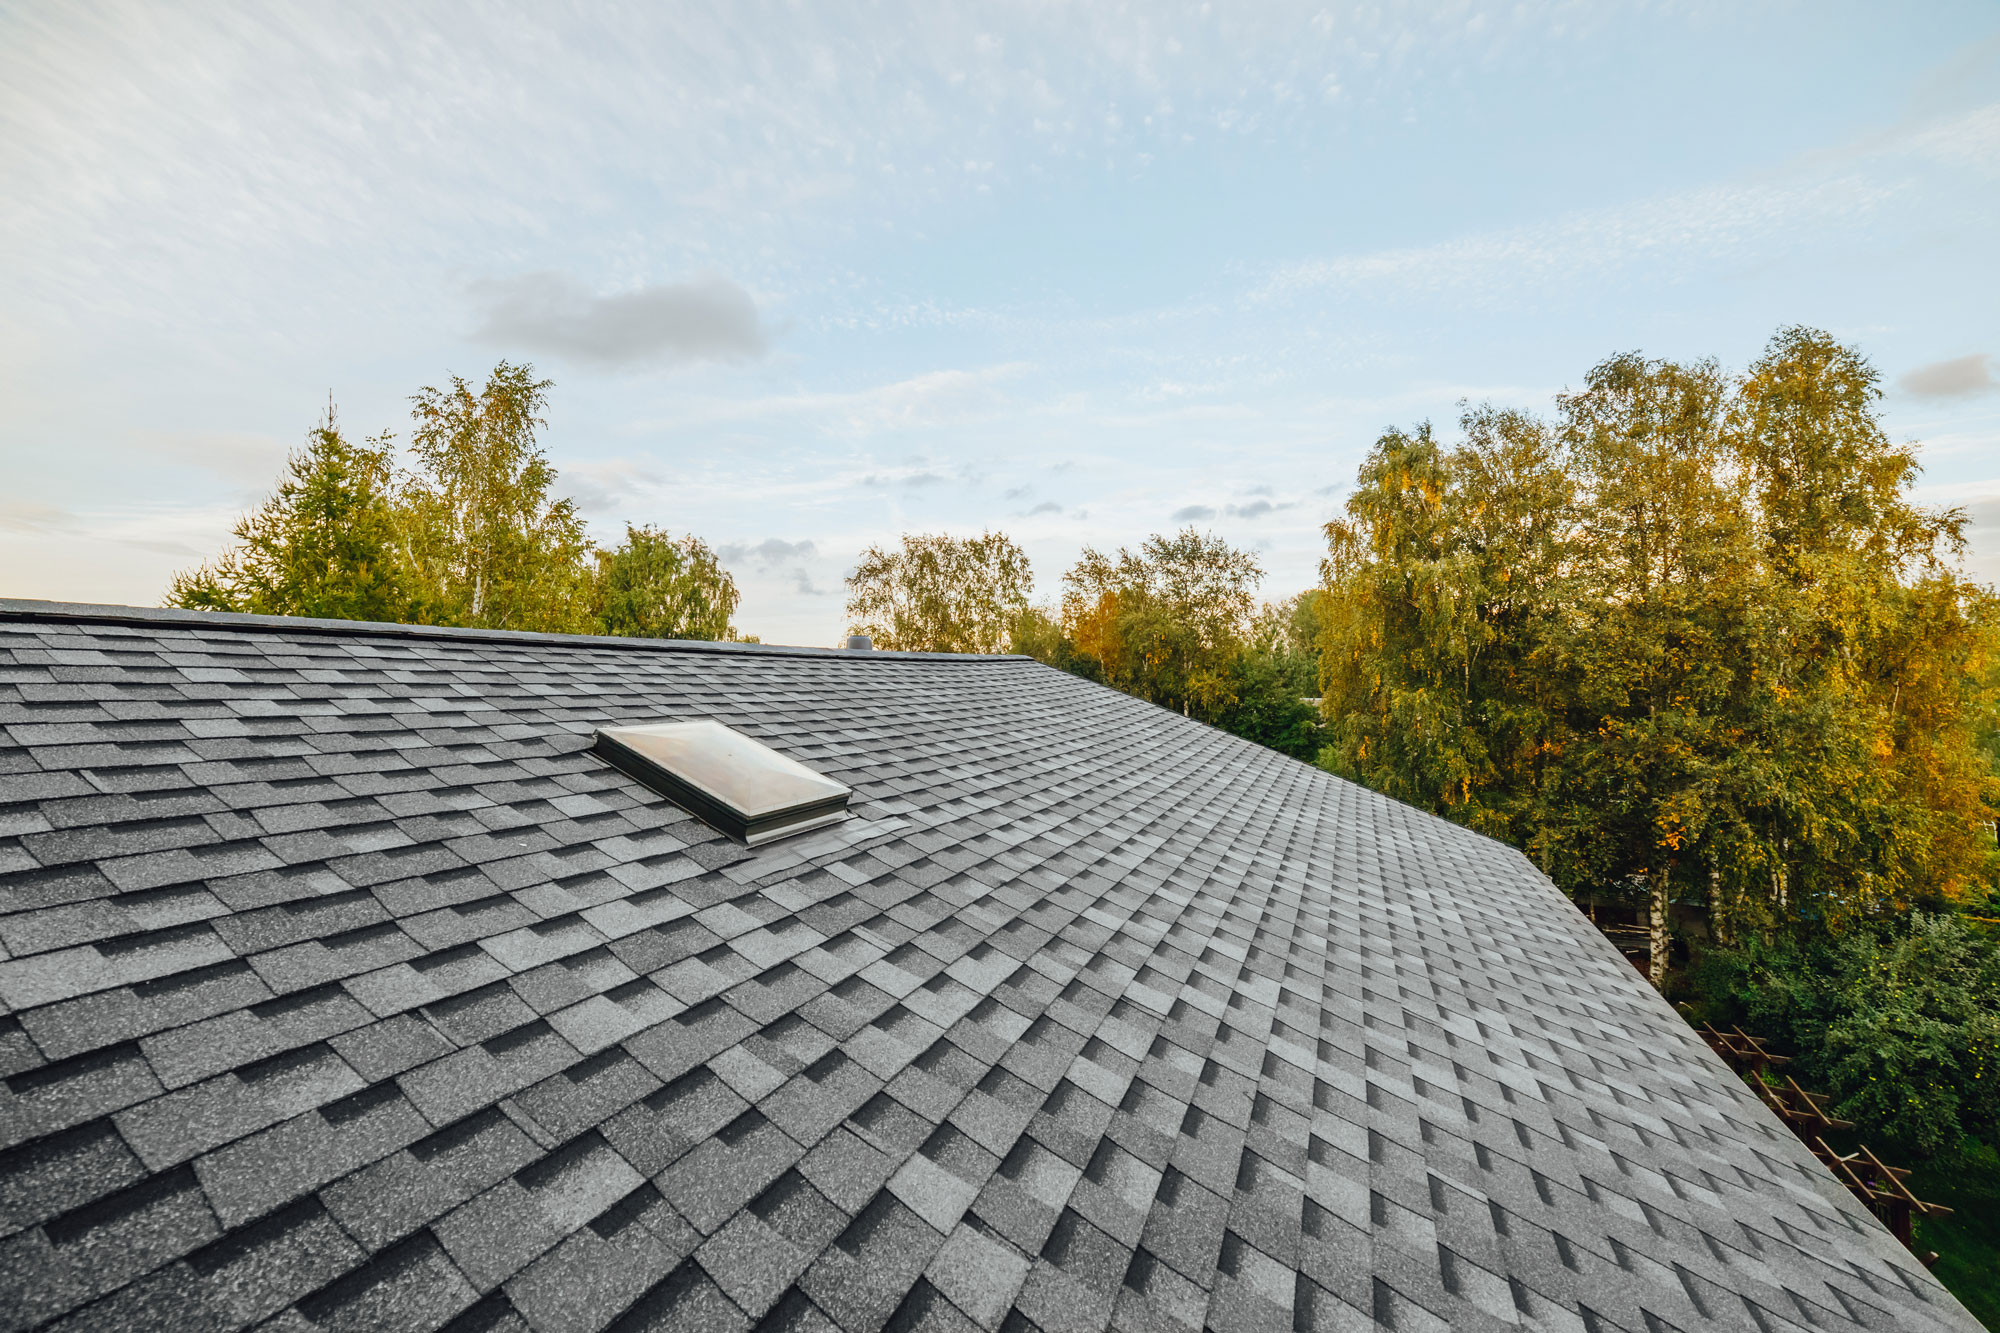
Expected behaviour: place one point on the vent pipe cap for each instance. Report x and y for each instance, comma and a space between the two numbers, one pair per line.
859, 643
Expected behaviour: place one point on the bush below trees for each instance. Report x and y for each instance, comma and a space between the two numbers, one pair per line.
1899, 1021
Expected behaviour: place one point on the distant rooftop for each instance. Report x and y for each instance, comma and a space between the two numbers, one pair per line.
342, 985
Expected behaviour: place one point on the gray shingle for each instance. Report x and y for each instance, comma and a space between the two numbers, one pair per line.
89, 1251
409, 1189
602, 1268
412, 1286
348, 989
258, 1270
40, 979
385, 1049
55, 1096
275, 1166
61, 1172
108, 1017
467, 1080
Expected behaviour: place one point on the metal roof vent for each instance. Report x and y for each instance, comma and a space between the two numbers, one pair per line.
738, 785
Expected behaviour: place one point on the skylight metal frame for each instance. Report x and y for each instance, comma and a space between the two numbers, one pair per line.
728, 780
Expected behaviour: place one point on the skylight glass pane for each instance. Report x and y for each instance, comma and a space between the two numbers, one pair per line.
739, 785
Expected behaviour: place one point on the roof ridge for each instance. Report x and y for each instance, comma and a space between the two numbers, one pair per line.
29, 609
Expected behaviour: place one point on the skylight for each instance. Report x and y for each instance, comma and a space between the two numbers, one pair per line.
738, 785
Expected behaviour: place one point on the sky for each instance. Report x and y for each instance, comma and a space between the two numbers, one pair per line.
810, 276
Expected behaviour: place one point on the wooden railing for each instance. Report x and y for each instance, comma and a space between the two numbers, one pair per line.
1879, 1187
1882, 1189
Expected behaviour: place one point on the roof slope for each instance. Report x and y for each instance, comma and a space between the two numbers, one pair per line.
344, 987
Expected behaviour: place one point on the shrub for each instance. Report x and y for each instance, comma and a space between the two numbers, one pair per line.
1901, 1024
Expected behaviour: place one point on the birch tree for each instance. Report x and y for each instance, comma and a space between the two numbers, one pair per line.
658, 586
1166, 622
1691, 635
1660, 642
488, 543
940, 594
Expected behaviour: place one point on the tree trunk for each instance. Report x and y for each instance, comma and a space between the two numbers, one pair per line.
1721, 916
1656, 970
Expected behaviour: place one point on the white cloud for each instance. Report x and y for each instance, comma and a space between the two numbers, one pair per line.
1792, 204
249, 461
1982, 538
243, 138
619, 487
122, 556
1968, 142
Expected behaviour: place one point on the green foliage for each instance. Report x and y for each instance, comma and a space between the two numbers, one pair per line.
1899, 1022
1274, 677
941, 594
1968, 1241
656, 586
473, 535
1441, 584
1165, 623
1173, 624
489, 545
323, 545
1691, 634
1037, 632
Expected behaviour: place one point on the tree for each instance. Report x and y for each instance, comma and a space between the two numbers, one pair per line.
657, 586
1691, 635
1442, 587
1166, 623
323, 545
1037, 632
1275, 677
1885, 647
1661, 643
940, 594
488, 545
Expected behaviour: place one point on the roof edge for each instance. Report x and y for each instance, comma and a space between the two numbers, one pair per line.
28, 609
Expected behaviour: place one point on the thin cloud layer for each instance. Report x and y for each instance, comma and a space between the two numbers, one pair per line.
709, 319
783, 562
933, 273
1665, 235
1959, 377
1253, 509
770, 551
1982, 530
28, 516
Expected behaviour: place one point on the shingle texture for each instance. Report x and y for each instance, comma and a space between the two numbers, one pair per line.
342, 987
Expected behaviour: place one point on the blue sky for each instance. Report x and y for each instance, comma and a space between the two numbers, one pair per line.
809, 276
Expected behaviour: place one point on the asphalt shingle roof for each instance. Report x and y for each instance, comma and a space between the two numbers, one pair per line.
343, 987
